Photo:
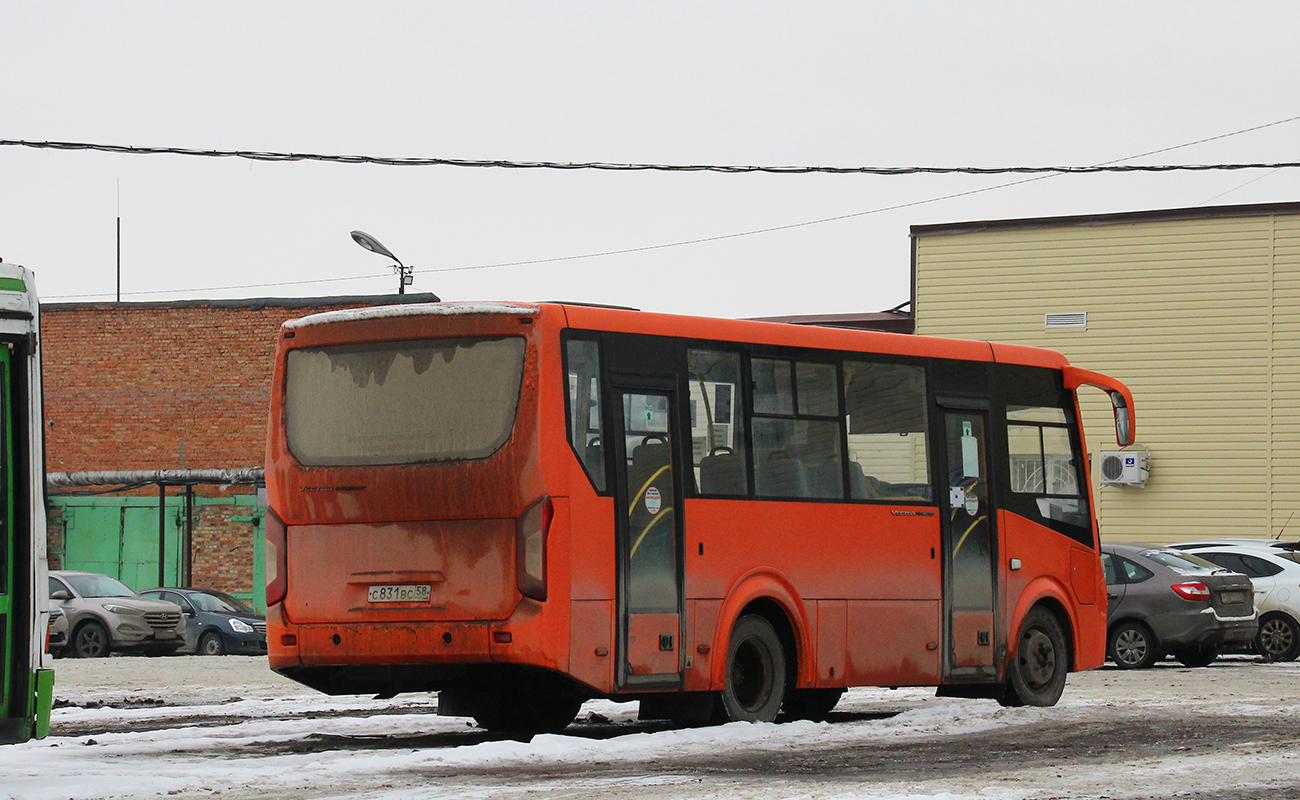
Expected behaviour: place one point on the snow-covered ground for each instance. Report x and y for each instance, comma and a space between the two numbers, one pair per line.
229, 728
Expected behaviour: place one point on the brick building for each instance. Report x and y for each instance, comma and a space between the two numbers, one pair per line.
176, 386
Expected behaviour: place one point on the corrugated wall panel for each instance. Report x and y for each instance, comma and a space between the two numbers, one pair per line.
1284, 491
1200, 318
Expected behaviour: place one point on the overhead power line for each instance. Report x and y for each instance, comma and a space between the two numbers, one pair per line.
1045, 173
392, 161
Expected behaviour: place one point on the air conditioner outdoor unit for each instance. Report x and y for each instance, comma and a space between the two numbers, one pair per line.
1125, 468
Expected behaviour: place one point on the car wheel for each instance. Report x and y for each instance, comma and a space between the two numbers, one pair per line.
1278, 638
755, 686
1036, 677
1132, 646
211, 644
813, 704
91, 640
1197, 656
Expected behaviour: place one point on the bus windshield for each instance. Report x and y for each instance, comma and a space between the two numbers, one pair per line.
402, 402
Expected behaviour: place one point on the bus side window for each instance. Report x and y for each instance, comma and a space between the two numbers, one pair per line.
797, 430
585, 431
886, 410
717, 426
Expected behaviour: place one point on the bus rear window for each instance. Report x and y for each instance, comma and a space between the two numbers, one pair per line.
402, 402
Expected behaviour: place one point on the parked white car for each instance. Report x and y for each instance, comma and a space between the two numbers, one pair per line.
1275, 576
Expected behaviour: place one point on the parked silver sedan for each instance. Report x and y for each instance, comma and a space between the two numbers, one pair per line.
1165, 602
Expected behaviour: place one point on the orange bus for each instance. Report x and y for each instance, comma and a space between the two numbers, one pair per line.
522, 506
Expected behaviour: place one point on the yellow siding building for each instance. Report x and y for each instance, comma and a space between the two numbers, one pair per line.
1197, 310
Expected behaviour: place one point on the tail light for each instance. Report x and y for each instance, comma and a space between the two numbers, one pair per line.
530, 548
1192, 591
277, 573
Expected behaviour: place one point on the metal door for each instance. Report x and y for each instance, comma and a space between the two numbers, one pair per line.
969, 545
649, 540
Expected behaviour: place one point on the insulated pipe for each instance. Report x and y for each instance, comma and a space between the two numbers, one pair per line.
174, 477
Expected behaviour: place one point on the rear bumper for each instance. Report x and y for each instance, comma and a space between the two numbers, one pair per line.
405, 643
1230, 631
1201, 628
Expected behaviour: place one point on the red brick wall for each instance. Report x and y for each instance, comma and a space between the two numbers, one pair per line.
145, 386
222, 552
157, 386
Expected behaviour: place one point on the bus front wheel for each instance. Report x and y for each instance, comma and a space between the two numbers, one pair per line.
1037, 673
755, 686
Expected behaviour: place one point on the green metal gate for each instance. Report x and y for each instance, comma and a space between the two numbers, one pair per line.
118, 536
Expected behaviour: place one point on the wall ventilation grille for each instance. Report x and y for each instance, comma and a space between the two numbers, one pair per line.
1070, 319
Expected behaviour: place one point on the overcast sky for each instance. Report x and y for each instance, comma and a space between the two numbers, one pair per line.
837, 84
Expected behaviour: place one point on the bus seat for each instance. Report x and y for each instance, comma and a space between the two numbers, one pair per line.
779, 475
649, 460
648, 457
825, 479
722, 472
862, 486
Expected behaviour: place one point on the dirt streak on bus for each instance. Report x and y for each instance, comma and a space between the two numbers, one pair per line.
521, 506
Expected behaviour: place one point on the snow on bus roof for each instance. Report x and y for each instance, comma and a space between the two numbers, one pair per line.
416, 310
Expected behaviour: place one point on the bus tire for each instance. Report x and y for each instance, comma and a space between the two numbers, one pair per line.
527, 713
1038, 672
755, 679
813, 704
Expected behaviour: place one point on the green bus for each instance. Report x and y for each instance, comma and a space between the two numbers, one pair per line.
27, 679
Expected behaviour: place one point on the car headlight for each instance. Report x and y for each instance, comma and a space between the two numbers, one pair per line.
239, 626
116, 609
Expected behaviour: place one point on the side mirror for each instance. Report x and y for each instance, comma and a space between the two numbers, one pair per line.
61, 594
1123, 423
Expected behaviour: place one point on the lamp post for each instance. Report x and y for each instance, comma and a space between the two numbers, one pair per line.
404, 276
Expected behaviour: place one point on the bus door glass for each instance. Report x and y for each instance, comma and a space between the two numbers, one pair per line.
969, 543
649, 541
11, 656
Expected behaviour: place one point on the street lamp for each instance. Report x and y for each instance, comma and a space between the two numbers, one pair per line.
404, 273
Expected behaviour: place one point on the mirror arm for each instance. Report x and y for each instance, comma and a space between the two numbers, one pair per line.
1121, 399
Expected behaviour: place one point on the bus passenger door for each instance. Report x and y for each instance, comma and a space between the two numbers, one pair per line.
649, 541
969, 547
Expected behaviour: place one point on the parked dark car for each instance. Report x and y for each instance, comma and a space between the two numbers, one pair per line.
1166, 602
105, 616
216, 623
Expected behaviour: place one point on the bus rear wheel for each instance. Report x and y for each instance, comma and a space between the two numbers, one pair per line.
1037, 673
813, 704
526, 710
755, 686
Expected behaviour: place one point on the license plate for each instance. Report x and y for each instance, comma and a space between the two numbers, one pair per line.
164, 634
1232, 597
406, 593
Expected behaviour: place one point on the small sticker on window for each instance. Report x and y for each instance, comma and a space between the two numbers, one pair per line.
653, 500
